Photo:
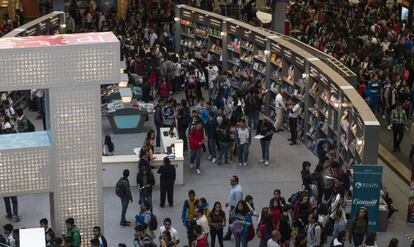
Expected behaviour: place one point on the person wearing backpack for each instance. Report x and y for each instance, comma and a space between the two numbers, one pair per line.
147, 218
123, 191
314, 232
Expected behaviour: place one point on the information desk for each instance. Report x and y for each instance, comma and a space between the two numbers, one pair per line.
113, 166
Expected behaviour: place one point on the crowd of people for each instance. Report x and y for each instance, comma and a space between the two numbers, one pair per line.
371, 39
224, 122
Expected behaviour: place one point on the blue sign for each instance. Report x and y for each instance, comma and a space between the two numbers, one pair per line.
366, 192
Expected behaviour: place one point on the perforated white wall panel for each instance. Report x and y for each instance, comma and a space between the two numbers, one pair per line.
77, 141
24, 171
72, 67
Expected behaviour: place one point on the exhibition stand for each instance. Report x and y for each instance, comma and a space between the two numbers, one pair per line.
332, 111
171, 146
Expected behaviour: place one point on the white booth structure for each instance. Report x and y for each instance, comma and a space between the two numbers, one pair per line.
65, 160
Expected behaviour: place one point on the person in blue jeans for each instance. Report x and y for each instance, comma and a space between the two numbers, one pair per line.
123, 191
265, 129
9, 202
223, 137
241, 219
211, 128
243, 142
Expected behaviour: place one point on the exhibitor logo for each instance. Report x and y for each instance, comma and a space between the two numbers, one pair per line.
368, 203
362, 185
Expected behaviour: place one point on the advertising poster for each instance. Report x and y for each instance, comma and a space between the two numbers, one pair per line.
366, 192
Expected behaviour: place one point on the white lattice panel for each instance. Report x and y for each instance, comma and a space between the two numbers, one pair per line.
24, 171
51, 65
77, 141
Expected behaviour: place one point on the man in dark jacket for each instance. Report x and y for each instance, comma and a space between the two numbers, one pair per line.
97, 234
123, 190
211, 128
145, 181
167, 180
158, 121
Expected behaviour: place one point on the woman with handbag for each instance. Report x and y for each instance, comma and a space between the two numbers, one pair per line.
241, 219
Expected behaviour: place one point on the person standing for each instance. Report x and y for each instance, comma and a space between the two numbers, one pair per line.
211, 131
188, 213
314, 232
72, 232
265, 129
145, 182
183, 121
280, 110
398, 120
359, 227
294, 109
167, 226
223, 137
167, 180
123, 191
212, 71
243, 142
241, 220
217, 221
10, 201
97, 234
22, 124
235, 195
196, 139
274, 240
45, 225
158, 121
142, 238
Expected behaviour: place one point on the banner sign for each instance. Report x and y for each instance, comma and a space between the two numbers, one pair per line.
366, 192
410, 211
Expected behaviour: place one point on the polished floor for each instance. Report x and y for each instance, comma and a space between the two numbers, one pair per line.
259, 181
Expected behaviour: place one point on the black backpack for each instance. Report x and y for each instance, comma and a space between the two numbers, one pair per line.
30, 126
153, 224
323, 233
120, 189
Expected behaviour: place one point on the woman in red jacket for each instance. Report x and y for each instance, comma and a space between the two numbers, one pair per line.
276, 211
202, 238
196, 140
164, 89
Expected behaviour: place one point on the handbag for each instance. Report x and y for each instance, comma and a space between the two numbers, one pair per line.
250, 233
236, 228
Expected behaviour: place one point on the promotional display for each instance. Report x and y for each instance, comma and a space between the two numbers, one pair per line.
366, 192
410, 211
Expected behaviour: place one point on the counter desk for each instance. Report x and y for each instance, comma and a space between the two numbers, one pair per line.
113, 166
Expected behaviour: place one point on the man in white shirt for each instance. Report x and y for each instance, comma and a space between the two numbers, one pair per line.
294, 109
173, 232
280, 110
274, 241
235, 195
152, 37
243, 142
212, 71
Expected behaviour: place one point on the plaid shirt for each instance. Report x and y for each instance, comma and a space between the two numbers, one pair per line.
398, 117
